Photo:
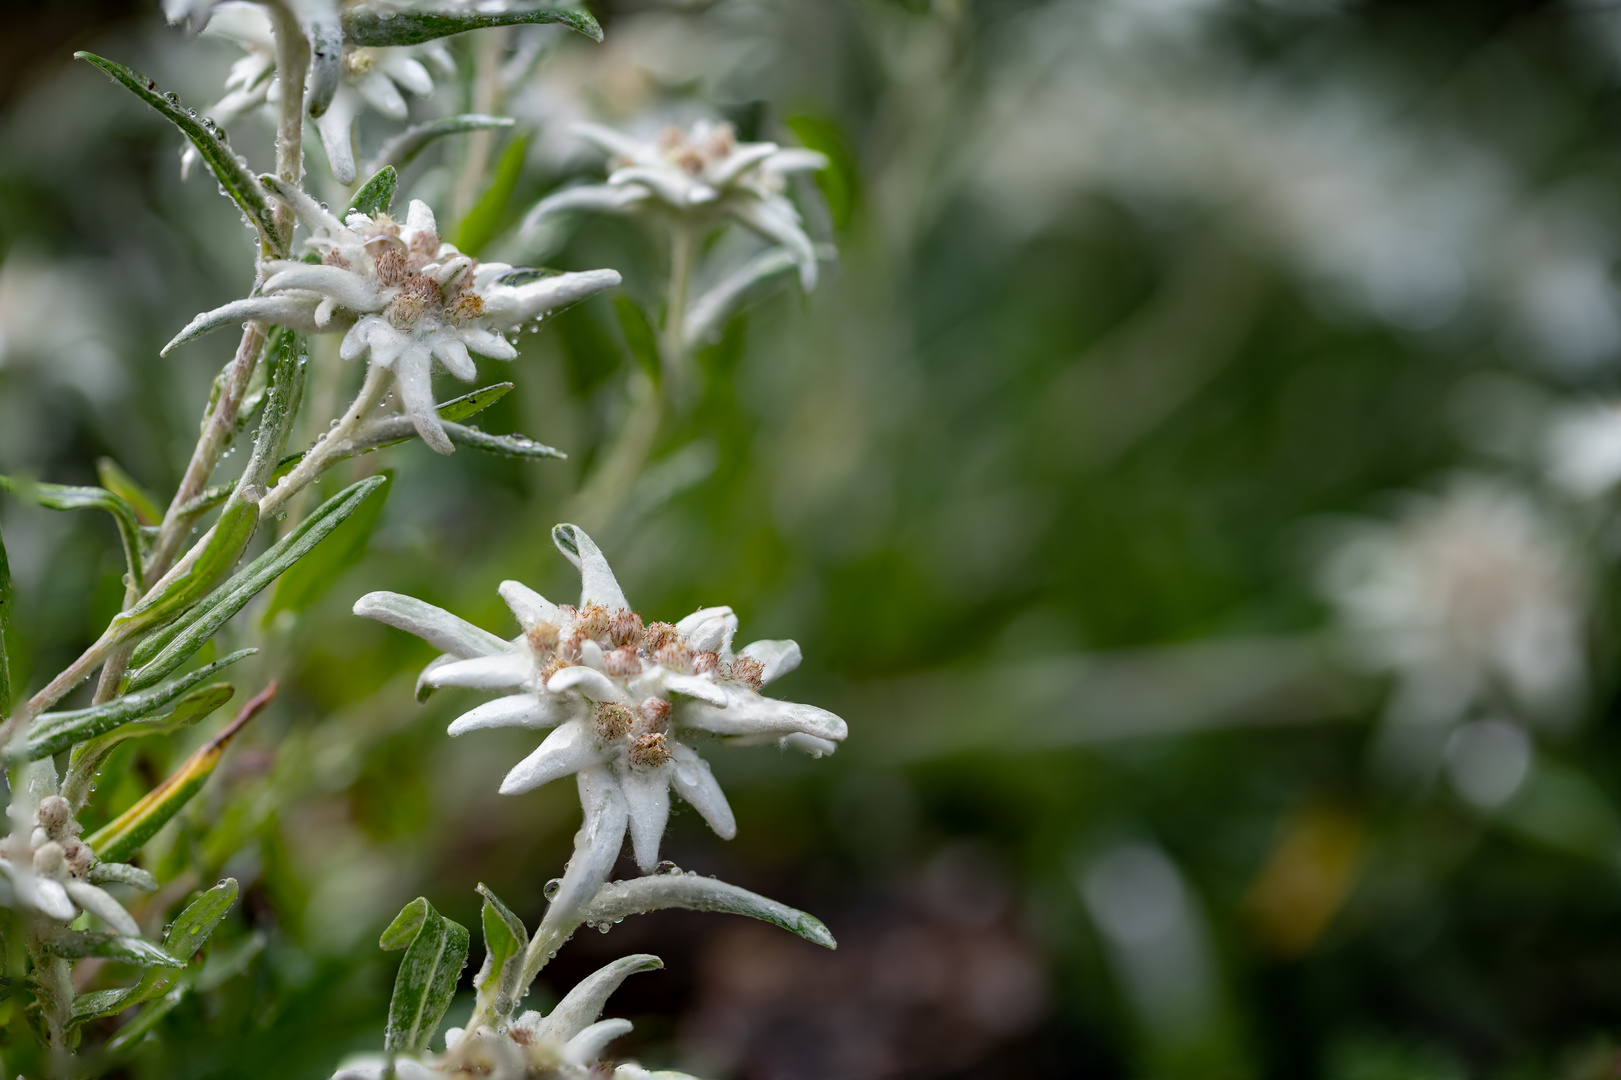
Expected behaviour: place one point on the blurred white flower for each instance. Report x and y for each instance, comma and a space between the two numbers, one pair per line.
372, 77
625, 701
704, 173
403, 296
1582, 449
48, 872
1468, 594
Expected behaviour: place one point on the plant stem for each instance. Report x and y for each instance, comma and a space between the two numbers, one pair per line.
332, 444
488, 48
683, 256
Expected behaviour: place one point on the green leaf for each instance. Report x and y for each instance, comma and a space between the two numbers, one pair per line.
119, 873
289, 360
478, 228
125, 486
149, 1018
637, 896
512, 446
124, 835
185, 937
377, 194
233, 174
460, 408
841, 180
370, 27
162, 652
399, 150
5, 630
52, 733
504, 941
80, 944
306, 580
435, 953
88, 756
196, 573
639, 335
66, 497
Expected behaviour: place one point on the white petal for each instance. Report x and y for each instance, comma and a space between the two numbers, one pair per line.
750, 714
690, 623
379, 90
565, 751
694, 687
714, 634
296, 311
692, 779
674, 188
345, 286
776, 220
583, 1004
453, 354
600, 197
613, 142
419, 218
809, 744
408, 72
487, 343
597, 582
778, 658
528, 606
413, 376
512, 305
333, 126
357, 340
591, 655
588, 681
438, 627
740, 161
584, 1049
316, 218
795, 159
596, 847
52, 899
385, 342
516, 710
486, 672
103, 906
647, 801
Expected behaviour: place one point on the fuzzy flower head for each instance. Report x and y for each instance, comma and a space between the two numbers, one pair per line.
627, 700
47, 872
378, 78
702, 172
404, 298
1469, 593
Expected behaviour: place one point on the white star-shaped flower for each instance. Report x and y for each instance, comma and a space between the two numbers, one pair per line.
404, 297
375, 77
624, 699
702, 172
48, 873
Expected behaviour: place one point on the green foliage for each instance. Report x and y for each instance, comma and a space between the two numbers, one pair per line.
235, 178
370, 27
304, 582
404, 147
840, 182
6, 601
639, 335
471, 404
195, 575
284, 393
80, 944
655, 892
435, 953
52, 733
64, 497
162, 653
120, 483
88, 755
482, 222
376, 195
504, 941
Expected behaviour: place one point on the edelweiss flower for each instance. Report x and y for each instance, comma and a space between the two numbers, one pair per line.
49, 872
565, 1044
1468, 593
703, 172
404, 297
625, 699
367, 76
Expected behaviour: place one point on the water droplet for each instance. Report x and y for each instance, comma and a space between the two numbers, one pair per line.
667, 867
551, 889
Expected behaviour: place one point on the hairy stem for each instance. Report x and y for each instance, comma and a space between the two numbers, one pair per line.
683, 256
333, 443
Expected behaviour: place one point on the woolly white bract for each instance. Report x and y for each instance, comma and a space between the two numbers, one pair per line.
48, 872
624, 699
404, 297
703, 172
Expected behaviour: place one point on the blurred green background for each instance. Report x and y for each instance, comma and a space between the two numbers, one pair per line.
1143, 310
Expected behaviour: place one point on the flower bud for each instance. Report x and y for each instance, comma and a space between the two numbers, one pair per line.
50, 859
650, 751
613, 721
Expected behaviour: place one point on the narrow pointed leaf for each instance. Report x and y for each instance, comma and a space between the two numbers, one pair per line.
504, 941
196, 573
399, 150
234, 176
461, 408
186, 935
52, 733
637, 896
289, 360
377, 194
435, 953
148, 1018
161, 653
639, 335
307, 579
68, 497
126, 487
482, 222
118, 873
80, 944
123, 836
88, 756
397, 429
370, 27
